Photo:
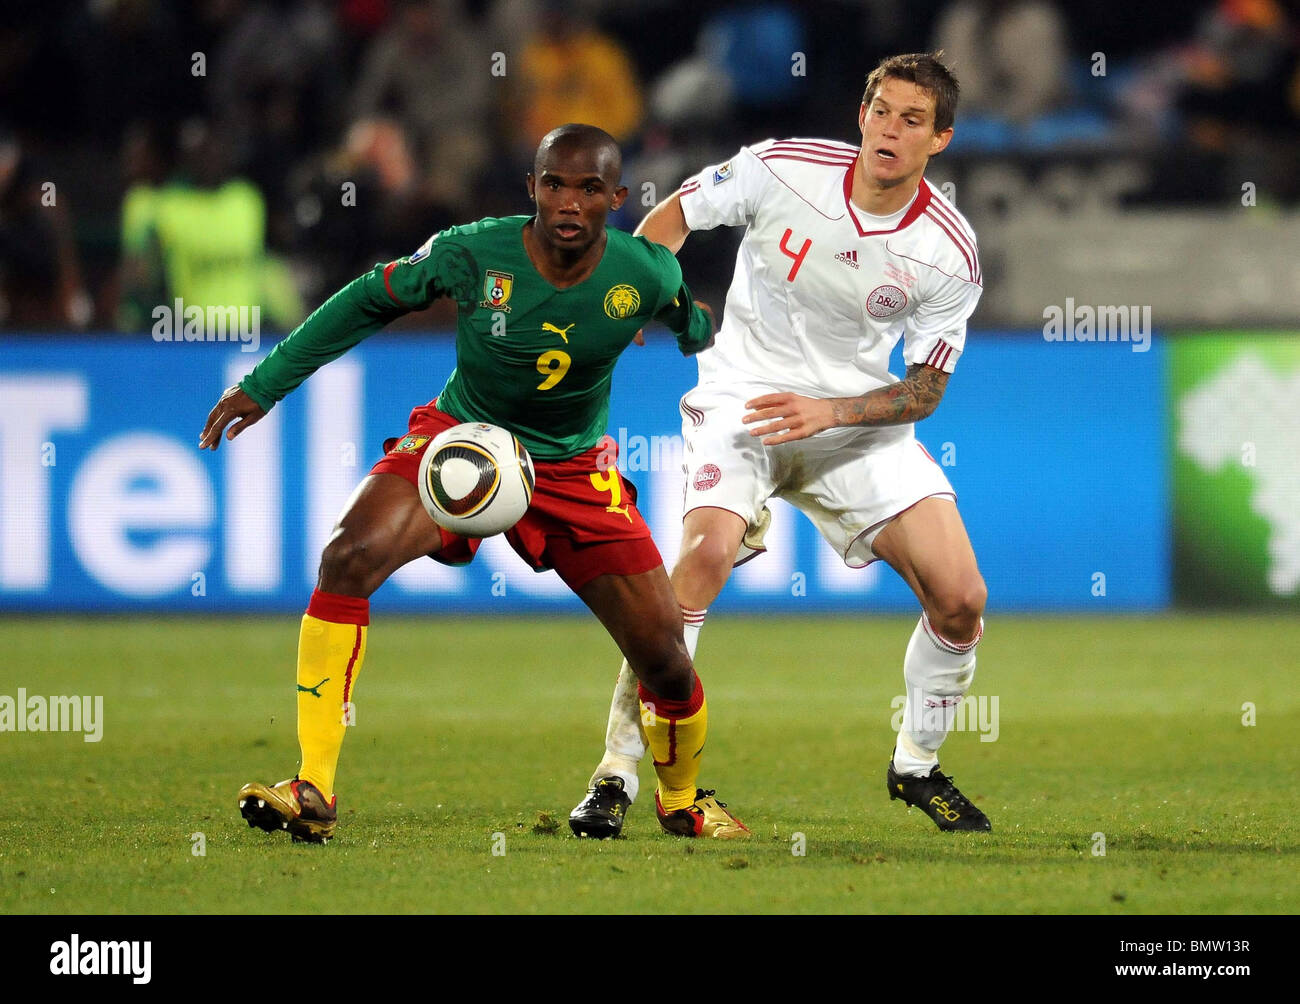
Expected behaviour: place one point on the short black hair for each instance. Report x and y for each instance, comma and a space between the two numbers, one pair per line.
578, 136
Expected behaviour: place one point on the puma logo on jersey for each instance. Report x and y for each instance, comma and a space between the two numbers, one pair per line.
562, 332
850, 258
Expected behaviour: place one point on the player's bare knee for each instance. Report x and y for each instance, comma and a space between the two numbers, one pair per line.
708, 557
349, 565
955, 612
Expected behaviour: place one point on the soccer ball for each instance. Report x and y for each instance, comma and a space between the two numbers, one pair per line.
476, 479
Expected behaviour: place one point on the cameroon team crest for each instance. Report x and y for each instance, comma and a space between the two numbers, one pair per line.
412, 443
622, 301
497, 287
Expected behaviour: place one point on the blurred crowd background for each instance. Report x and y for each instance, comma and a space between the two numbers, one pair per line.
267, 151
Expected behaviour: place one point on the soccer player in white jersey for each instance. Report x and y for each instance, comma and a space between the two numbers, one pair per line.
847, 249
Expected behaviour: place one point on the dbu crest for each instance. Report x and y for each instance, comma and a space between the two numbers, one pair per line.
886, 300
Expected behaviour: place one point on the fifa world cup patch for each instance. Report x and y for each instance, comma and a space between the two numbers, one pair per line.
412, 443
497, 287
422, 251
722, 173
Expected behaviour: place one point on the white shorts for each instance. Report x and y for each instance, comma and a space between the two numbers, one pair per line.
849, 482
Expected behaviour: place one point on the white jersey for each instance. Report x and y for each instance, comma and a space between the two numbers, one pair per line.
822, 290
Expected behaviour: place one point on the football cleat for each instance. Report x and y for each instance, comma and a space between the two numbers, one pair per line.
600, 815
705, 817
751, 545
293, 805
936, 796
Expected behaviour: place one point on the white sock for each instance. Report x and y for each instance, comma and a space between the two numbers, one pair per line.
624, 741
937, 673
692, 621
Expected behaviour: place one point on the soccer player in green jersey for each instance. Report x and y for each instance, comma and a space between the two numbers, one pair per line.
546, 305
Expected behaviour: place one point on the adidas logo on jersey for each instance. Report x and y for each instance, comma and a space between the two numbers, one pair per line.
849, 258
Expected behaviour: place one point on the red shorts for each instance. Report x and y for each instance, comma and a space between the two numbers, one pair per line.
582, 521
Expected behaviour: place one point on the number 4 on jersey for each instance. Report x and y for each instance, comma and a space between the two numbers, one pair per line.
798, 257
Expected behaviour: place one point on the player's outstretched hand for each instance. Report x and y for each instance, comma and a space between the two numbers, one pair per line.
787, 417
234, 404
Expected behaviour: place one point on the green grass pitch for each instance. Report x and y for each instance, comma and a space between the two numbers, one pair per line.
468, 730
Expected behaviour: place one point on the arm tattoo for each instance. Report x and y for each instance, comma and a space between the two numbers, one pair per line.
911, 399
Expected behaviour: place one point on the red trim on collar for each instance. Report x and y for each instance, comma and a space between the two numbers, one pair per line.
913, 213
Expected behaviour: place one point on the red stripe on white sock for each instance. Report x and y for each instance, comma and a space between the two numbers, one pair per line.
956, 648
695, 617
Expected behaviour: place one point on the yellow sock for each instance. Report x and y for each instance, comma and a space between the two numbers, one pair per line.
675, 732
331, 648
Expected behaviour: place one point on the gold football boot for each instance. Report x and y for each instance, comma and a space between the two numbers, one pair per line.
705, 817
293, 805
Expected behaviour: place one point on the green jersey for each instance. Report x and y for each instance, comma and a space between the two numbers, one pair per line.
532, 358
